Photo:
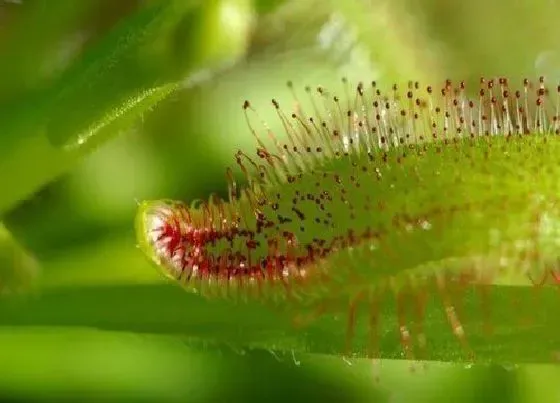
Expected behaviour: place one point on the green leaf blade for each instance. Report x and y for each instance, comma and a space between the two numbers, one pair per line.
164, 309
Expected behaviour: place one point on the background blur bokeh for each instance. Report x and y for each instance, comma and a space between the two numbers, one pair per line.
66, 66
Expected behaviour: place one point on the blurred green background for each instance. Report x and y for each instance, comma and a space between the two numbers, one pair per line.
103, 103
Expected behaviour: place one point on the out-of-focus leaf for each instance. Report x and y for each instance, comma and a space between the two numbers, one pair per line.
39, 38
112, 84
87, 365
166, 309
18, 269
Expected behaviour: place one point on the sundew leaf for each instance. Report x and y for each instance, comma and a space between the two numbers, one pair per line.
112, 84
402, 224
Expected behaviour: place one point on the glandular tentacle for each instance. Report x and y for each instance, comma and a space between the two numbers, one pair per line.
407, 190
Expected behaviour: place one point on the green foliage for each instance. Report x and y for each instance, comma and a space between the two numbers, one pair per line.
59, 123
102, 103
